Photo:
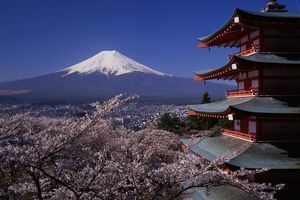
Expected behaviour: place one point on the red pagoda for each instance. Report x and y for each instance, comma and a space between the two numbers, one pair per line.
265, 106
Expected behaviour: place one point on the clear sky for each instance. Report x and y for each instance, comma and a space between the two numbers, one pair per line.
42, 36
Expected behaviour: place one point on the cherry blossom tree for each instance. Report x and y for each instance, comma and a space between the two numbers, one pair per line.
86, 158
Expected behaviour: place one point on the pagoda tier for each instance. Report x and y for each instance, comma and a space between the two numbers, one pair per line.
257, 105
280, 158
223, 191
254, 118
239, 64
257, 31
248, 155
276, 74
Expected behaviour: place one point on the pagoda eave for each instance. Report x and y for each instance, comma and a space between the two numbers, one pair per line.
269, 19
243, 64
243, 22
192, 112
225, 72
251, 155
228, 37
258, 106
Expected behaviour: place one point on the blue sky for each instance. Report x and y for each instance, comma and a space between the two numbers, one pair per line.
42, 36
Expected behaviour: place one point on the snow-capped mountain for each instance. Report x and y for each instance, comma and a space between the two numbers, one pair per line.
105, 75
110, 63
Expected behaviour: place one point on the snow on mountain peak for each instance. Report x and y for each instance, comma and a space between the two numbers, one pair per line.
110, 63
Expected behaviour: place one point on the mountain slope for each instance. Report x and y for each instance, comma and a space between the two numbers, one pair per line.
108, 74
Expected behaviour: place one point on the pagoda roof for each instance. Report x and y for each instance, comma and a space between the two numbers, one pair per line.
220, 192
257, 60
243, 22
271, 15
270, 58
246, 154
258, 105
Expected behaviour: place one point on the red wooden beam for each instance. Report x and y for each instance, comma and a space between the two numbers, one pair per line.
202, 45
198, 78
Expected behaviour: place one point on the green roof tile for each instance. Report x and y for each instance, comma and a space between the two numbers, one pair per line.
250, 155
282, 59
259, 105
271, 58
220, 192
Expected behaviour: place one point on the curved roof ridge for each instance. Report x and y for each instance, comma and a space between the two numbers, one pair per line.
259, 57
222, 27
253, 155
271, 58
259, 105
265, 15
271, 14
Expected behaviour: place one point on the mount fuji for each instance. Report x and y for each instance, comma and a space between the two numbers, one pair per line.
110, 63
105, 75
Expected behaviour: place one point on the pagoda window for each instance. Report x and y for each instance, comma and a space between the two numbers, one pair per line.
252, 126
249, 43
243, 48
255, 83
254, 34
253, 74
256, 42
244, 39
242, 75
241, 85
237, 125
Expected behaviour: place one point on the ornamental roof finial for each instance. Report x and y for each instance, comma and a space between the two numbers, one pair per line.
274, 6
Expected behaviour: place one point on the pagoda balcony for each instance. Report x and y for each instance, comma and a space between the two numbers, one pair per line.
242, 93
240, 135
249, 51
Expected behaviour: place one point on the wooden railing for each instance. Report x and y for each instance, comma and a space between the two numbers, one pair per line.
242, 93
244, 136
249, 51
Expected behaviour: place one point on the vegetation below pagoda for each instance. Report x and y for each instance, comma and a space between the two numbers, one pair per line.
172, 123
